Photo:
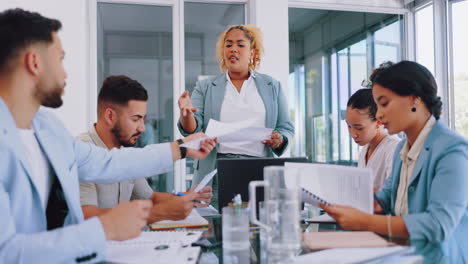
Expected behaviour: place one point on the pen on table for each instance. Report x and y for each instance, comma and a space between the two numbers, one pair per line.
381, 203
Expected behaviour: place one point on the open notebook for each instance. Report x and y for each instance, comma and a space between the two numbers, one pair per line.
156, 247
193, 220
342, 185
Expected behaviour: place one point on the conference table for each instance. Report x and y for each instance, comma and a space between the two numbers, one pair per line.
212, 249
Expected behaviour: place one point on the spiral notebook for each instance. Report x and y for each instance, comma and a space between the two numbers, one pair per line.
310, 198
193, 220
156, 247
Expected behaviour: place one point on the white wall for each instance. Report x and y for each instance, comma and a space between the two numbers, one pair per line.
72, 14
272, 18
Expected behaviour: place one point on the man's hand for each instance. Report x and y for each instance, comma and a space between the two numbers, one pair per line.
126, 220
205, 195
206, 146
171, 207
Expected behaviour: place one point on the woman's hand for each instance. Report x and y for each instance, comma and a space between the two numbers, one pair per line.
275, 141
185, 105
348, 217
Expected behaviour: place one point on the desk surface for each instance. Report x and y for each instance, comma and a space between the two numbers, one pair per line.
213, 254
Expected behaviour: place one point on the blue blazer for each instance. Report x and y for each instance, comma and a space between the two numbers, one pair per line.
24, 237
208, 97
437, 192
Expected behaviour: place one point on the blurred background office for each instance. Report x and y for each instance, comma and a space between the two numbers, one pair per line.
320, 50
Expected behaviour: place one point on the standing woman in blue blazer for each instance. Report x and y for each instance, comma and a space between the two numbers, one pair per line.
237, 94
426, 195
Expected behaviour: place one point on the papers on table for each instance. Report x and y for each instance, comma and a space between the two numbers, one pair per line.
352, 255
343, 239
242, 131
156, 247
193, 220
342, 185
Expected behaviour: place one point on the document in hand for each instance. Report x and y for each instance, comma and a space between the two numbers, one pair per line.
242, 131
206, 180
193, 220
342, 185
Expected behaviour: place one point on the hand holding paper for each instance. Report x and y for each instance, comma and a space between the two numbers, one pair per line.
232, 132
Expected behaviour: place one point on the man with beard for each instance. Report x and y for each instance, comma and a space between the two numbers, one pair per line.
121, 114
41, 163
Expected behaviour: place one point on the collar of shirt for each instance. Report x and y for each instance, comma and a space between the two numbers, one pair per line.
95, 137
251, 71
412, 154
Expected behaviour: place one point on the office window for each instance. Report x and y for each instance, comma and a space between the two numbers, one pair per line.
424, 27
387, 44
459, 21
337, 50
203, 24
136, 40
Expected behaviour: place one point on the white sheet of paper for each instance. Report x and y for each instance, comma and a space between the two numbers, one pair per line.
205, 180
207, 211
143, 248
342, 185
242, 131
351, 255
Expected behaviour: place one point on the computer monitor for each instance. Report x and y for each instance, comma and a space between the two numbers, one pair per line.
234, 176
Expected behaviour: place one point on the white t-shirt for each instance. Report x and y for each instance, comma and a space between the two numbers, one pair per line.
381, 159
242, 106
39, 164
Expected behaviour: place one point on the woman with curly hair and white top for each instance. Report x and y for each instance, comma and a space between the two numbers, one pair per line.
239, 93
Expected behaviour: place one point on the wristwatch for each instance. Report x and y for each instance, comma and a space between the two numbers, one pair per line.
183, 150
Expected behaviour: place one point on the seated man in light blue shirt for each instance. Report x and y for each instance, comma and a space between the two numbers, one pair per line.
121, 114
41, 163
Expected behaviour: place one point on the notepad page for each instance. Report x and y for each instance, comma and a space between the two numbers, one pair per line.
148, 254
162, 237
193, 220
156, 247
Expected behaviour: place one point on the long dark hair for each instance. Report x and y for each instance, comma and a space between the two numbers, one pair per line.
408, 78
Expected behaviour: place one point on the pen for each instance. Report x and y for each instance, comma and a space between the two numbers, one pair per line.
381, 203
178, 193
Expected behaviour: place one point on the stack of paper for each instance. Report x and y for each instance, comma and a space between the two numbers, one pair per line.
193, 220
155, 247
